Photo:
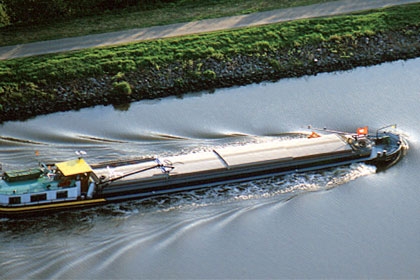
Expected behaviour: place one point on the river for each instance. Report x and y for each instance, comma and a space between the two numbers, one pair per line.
347, 222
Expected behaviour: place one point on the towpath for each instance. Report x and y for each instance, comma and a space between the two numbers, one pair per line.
180, 29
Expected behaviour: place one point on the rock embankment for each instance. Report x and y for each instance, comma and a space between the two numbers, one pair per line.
208, 74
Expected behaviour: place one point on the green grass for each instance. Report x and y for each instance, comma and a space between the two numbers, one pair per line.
180, 11
30, 74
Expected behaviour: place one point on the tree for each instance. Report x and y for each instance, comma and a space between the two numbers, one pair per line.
4, 18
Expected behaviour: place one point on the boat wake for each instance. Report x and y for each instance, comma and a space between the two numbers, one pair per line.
281, 188
159, 220
278, 188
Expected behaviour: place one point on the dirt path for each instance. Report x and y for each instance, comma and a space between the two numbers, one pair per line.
179, 29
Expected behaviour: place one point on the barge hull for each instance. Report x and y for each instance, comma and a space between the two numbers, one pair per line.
44, 208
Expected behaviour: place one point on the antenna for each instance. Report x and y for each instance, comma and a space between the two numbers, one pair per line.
393, 126
326, 130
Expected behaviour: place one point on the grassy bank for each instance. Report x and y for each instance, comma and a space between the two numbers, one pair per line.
218, 45
29, 80
137, 17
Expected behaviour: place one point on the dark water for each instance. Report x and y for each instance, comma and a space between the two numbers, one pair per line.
345, 222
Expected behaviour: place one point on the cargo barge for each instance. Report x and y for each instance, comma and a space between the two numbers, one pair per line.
76, 184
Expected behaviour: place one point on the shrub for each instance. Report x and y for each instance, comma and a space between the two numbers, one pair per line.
122, 88
262, 46
179, 82
209, 74
30, 12
27, 12
4, 18
115, 66
275, 64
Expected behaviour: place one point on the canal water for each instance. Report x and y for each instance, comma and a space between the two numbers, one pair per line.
347, 222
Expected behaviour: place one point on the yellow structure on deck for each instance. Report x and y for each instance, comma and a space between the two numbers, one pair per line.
74, 167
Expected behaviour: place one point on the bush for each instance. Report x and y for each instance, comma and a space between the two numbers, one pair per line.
275, 64
39, 11
116, 66
25, 12
122, 89
209, 74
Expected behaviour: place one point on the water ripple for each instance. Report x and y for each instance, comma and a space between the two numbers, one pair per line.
132, 226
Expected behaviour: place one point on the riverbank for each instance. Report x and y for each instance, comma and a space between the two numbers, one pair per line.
39, 88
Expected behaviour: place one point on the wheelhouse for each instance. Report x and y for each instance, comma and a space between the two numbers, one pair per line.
68, 180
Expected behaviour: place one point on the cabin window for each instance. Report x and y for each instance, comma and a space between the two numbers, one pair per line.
62, 194
38, 197
14, 200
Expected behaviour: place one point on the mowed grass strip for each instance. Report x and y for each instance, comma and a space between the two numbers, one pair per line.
39, 71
